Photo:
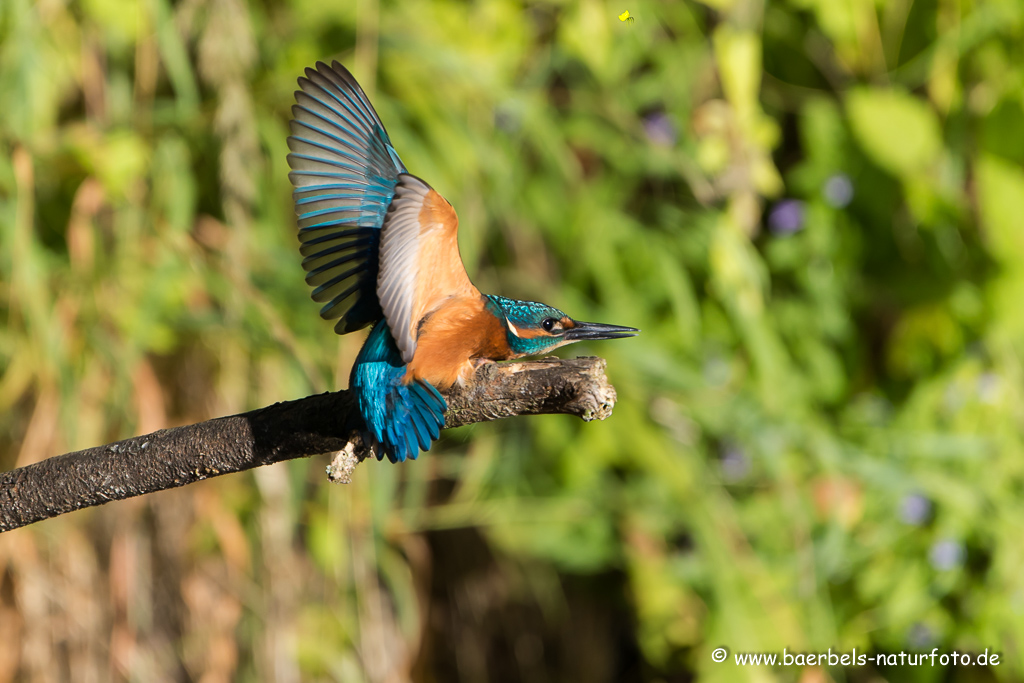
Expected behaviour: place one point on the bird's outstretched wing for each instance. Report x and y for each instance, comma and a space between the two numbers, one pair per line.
344, 172
420, 265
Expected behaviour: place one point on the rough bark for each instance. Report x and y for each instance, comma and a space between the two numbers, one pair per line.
284, 431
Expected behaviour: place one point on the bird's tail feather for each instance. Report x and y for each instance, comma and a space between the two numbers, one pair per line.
402, 419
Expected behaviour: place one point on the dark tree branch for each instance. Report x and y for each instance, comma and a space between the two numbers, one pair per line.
284, 431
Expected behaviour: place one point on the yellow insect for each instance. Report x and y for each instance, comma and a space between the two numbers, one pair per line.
625, 17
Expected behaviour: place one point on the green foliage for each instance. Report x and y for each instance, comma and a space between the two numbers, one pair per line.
810, 208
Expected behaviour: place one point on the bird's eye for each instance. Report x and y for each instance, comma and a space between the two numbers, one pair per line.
549, 324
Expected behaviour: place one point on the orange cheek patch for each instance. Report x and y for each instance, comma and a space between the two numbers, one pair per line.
528, 333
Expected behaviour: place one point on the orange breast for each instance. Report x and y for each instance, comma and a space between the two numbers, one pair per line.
458, 331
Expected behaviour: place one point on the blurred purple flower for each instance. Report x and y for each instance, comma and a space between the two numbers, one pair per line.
915, 509
660, 130
920, 636
735, 464
787, 217
946, 554
838, 190
507, 118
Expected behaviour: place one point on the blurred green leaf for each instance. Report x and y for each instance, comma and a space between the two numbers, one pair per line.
897, 131
1001, 202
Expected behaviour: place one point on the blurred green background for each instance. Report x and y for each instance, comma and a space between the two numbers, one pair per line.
812, 209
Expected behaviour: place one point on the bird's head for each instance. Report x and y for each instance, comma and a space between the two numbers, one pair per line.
532, 328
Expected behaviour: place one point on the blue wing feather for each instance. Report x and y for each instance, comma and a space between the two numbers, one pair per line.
344, 169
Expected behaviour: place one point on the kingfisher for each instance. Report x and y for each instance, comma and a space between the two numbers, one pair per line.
381, 249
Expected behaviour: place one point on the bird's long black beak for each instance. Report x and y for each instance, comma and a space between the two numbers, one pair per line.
599, 331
